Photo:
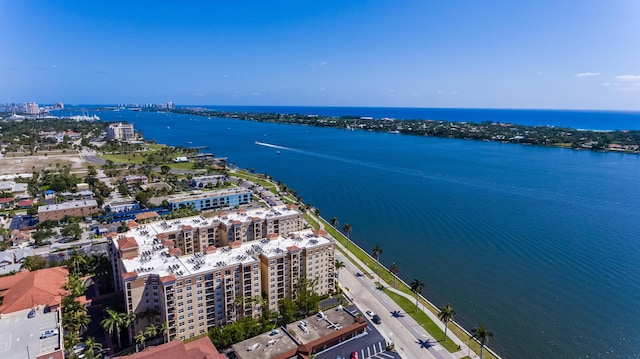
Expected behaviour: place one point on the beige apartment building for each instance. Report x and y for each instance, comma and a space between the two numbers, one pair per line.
56, 212
195, 277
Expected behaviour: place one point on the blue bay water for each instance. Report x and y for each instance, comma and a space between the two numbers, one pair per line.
541, 245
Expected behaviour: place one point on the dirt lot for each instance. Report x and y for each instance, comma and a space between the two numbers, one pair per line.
12, 163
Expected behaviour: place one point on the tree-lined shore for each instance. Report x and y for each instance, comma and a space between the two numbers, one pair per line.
627, 141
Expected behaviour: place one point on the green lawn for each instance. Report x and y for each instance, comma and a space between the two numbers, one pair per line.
410, 308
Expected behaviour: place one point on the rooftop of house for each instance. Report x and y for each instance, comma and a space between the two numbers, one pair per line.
25, 289
198, 349
67, 205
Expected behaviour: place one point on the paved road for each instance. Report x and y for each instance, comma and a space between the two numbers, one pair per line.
409, 337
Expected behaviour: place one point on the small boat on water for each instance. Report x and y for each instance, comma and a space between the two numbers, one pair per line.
277, 152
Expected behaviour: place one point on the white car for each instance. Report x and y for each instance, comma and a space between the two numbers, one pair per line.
49, 333
370, 313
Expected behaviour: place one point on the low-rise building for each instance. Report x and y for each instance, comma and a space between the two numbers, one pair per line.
56, 212
135, 179
211, 199
123, 206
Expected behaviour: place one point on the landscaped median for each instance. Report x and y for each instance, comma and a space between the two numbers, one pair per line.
375, 270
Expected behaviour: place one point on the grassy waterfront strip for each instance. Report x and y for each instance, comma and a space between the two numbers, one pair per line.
374, 269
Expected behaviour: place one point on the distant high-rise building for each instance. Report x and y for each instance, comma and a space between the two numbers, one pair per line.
171, 105
121, 131
31, 108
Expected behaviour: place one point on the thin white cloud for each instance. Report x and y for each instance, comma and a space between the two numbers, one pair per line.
588, 74
540, 72
628, 78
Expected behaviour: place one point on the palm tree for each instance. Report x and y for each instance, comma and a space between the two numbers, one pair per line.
446, 315
113, 322
377, 251
71, 339
90, 347
339, 265
482, 334
334, 222
164, 329
239, 302
346, 229
140, 338
151, 331
417, 286
394, 269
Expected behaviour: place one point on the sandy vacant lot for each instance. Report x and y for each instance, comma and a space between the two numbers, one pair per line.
12, 163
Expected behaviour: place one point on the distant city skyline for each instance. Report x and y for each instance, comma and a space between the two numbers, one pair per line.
460, 54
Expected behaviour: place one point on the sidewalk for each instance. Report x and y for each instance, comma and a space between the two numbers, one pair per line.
464, 349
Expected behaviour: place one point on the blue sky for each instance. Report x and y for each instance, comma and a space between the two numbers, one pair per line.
558, 54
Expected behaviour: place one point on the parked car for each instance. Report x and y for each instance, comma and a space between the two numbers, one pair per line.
376, 319
32, 313
49, 333
353, 355
79, 347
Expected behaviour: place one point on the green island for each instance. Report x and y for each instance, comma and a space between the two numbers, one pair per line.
626, 141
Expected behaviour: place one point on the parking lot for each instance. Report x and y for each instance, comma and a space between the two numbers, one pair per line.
370, 345
20, 335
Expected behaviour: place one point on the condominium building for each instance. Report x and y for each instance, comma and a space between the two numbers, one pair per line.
195, 278
211, 199
58, 211
121, 131
31, 108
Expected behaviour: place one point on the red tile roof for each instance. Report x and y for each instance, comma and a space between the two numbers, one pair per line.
210, 249
167, 243
6, 200
111, 234
146, 215
319, 232
132, 224
42, 287
130, 275
55, 355
198, 349
293, 248
167, 279
127, 243
175, 251
25, 203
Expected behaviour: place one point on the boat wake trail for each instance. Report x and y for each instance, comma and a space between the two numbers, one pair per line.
406, 171
275, 146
